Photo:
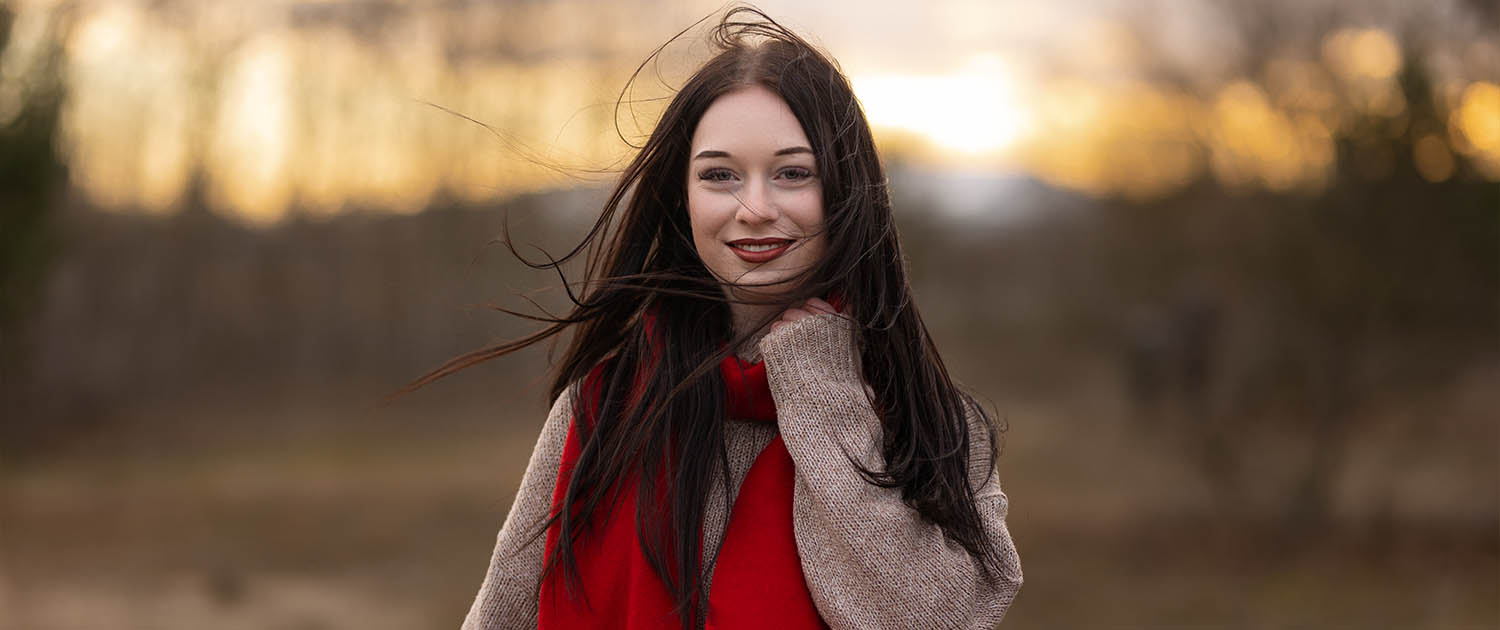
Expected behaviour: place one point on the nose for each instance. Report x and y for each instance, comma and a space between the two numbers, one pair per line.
757, 204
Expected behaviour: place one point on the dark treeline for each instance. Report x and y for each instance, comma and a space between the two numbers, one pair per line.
140, 308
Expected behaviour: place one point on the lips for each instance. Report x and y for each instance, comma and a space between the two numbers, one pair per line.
759, 250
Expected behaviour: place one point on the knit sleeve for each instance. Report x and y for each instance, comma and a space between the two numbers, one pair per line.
507, 598
871, 561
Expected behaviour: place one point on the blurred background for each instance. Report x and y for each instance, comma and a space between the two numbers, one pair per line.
1229, 272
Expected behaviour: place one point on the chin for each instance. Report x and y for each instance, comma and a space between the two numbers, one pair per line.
763, 285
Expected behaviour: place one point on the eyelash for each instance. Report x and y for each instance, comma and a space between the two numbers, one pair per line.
802, 173
713, 175
796, 173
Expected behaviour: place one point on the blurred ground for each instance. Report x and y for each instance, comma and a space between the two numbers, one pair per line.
316, 510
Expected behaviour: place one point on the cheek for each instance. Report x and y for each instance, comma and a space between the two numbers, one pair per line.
817, 247
704, 220
807, 211
698, 215
808, 215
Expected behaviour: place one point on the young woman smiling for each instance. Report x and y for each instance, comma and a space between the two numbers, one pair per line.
751, 425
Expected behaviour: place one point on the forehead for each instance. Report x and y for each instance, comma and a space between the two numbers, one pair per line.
748, 120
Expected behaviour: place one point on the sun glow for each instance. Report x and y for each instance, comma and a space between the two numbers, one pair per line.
261, 110
975, 111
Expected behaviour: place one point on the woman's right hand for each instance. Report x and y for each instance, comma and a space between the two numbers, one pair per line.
814, 306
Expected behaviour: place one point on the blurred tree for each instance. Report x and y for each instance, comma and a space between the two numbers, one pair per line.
31, 177
1381, 285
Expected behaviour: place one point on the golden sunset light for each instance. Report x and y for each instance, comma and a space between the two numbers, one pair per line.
311, 115
975, 111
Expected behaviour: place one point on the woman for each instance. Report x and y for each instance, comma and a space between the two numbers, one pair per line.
748, 343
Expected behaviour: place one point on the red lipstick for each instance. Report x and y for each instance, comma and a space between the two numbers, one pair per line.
759, 250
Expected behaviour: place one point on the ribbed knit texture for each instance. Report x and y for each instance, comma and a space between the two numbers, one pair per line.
869, 560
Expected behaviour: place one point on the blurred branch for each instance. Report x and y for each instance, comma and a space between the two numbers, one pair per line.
31, 176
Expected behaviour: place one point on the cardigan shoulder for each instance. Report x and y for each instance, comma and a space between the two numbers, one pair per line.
870, 560
507, 597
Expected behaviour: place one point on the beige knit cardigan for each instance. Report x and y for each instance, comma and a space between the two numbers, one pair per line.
870, 561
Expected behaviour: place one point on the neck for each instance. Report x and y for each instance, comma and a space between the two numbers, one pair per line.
746, 316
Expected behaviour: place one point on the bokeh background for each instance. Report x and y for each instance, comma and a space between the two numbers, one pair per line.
1229, 271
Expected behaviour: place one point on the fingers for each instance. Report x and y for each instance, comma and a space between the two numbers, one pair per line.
809, 308
795, 313
813, 306
820, 306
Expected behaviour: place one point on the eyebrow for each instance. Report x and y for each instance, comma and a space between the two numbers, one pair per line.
724, 154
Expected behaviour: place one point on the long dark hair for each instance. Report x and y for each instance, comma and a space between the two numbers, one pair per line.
641, 259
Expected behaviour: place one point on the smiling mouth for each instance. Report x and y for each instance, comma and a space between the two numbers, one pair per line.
760, 249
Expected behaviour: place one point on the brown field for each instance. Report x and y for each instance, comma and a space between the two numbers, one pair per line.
321, 510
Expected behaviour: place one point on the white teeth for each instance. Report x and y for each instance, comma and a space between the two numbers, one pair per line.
758, 248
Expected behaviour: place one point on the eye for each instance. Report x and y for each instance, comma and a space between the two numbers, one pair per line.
796, 173
716, 175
